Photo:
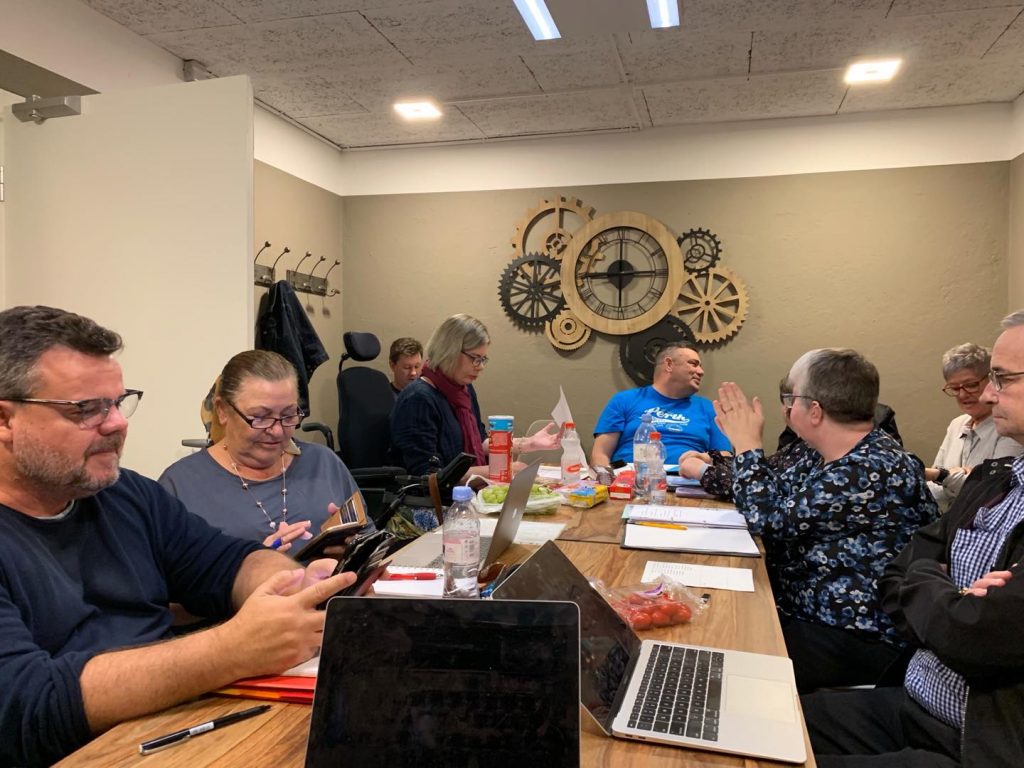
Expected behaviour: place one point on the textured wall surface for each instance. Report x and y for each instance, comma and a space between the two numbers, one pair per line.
900, 264
1015, 279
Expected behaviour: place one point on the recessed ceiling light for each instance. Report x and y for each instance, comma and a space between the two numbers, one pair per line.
663, 13
538, 18
417, 110
878, 71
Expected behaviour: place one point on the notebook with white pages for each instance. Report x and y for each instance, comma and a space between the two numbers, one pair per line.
698, 539
707, 517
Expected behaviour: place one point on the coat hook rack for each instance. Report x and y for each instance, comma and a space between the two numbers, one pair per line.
262, 274
300, 281
332, 291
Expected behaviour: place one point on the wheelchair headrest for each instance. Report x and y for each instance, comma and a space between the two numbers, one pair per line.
361, 346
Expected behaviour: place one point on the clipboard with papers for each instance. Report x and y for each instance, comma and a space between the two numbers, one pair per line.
701, 530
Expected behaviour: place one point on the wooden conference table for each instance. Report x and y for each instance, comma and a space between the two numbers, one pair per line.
737, 620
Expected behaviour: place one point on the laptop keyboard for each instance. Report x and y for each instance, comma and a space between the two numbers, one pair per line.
681, 693
485, 545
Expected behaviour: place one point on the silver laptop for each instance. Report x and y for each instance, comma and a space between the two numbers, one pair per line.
426, 551
692, 696
413, 683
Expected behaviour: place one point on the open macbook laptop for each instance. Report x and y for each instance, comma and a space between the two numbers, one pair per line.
727, 701
447, 683
426, 551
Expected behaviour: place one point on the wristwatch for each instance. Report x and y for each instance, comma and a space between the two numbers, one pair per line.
943, 474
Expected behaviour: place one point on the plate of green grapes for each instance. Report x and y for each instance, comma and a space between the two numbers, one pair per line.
543, 501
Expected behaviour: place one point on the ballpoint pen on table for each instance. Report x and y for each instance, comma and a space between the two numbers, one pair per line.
177, 737
653, 524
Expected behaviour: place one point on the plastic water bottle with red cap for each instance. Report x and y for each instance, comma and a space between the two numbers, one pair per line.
572, 454
657, 482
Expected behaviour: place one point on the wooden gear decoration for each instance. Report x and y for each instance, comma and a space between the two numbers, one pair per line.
549, 226
714, 304
566, 332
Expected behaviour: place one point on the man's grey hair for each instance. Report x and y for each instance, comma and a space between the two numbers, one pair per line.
1013, 319
843, 382
671, 347
26, 333
457, 334
966, 357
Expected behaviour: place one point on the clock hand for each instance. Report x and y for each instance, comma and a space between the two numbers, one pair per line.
643, 273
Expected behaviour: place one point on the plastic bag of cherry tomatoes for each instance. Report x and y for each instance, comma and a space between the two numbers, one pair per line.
664, 603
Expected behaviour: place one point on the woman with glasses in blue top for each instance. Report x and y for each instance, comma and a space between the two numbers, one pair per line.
437, 417
971, 437
254, 481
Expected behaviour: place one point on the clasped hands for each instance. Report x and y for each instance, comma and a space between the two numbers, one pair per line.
740, 420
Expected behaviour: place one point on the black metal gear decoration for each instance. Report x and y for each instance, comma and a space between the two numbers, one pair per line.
701, 250
638, 351
530, 290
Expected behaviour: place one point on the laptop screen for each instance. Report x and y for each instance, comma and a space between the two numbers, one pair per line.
446, 682
607, 644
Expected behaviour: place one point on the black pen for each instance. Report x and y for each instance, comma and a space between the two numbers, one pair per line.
148, 747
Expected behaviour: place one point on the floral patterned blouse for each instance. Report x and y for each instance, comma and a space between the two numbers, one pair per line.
830, 528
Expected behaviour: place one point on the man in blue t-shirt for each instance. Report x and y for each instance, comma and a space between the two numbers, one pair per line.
685, 420
92, 555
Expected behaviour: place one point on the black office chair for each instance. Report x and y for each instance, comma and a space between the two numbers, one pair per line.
365, 400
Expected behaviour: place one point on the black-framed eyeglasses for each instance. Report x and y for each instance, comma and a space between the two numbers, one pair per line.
999, 378
479, 361
970, 387
266, 422
789, 398
92, 412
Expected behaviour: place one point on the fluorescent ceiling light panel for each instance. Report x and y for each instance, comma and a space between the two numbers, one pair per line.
877, 71
663, 13
417, 110
538, 18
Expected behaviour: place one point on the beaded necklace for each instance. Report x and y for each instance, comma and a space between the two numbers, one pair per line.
259, 504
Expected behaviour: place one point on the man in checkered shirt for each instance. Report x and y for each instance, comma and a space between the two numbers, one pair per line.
957, 592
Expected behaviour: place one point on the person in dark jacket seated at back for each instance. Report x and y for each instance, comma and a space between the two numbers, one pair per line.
92, 555
405, 359
832, 520
957, 592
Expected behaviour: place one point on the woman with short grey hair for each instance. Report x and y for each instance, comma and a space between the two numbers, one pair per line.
971, 437
437, 417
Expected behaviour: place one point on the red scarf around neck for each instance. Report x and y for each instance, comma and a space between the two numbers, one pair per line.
458, 398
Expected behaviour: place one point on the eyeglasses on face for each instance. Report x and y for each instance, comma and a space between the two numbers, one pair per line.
968, 387
788, 399
1000, 378
90, 413
479, 361
266, 422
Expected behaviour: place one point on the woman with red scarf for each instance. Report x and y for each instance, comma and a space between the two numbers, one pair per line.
437, 417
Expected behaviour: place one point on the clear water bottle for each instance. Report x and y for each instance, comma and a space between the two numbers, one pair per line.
572, 454
657, 483
641, 440
461, 536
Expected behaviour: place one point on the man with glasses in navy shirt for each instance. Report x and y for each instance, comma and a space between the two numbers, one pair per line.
91, 555
957, 593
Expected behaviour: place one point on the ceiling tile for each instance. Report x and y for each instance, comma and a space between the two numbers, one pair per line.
657, 56
386, 129
748, 15
940, 85
272, 10
306, 95
943, 36
1011, 44
763, 96
453, 27
912, 7
563, 113
564, 66
337, 41
144, 17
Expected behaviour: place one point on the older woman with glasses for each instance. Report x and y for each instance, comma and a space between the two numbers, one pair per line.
254, 481
971, 437
437, 417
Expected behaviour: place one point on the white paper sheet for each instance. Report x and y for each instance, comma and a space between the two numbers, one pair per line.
305, 669
709, 576
529, 532
713, 517
711, 541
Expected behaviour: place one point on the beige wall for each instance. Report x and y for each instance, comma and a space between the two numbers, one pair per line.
901, 264
1015, 261
294, 213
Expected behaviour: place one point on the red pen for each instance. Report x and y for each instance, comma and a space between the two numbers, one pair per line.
411, 577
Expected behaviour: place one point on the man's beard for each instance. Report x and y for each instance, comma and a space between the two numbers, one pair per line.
46, 467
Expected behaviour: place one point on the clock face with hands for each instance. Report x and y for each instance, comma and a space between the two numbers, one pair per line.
622, 273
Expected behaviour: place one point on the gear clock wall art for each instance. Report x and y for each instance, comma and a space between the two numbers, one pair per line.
623, 274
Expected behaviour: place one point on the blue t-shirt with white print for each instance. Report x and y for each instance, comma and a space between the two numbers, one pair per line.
685, 423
